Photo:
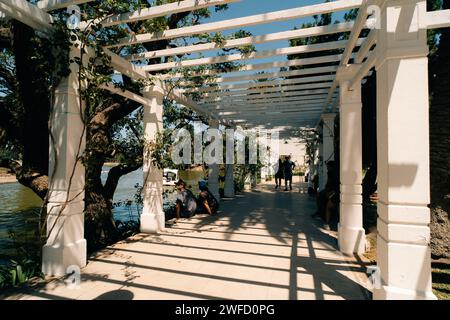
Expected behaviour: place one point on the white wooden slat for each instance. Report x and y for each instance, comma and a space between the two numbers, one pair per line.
255, 55
134, 72
156, 11
266, 96
364, 69
366, 46
269, 17
252, 85
266, 75
260, 66
438, 19
126, 94
253, 40
360, 22
285, 107
49, 5
28, 14
295, 100
271, 89
263, 103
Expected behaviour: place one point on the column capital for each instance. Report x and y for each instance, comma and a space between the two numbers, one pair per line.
328, 117
214, 123
153, 90
347, 73
403, 32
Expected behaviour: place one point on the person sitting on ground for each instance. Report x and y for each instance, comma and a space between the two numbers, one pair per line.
185, 203
207, 203
288, 167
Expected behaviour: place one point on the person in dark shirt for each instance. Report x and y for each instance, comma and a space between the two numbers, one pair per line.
206, 203
279, 174
288, 167
186, 205
328, 198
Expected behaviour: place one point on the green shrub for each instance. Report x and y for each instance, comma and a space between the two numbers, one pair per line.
16, 273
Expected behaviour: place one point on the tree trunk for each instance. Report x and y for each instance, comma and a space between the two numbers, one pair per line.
100, 228
35, 98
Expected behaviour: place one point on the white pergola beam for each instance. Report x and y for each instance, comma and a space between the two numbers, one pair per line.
258, 111
134, 72
28, 14
284, 118
269, 101
270, 89
156, 11
294, 100
269, 115
126, 94
364, 70
361, 21
277, 36
49, 5
236, 23
269, 106
266, 75
279, 122
438, 19
253, 85
366, 46
260, 66
266, 96
334, 45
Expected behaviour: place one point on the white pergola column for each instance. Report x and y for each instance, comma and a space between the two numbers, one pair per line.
351, 234
403, 252
254, 180
328, 144
66, 246
213, 168
264, 173
229, 181
153, 217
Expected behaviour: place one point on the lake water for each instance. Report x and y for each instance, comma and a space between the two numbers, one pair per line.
20, 207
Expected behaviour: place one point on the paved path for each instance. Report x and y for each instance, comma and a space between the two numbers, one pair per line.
264, 245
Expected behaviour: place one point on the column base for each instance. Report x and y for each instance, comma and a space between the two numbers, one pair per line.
393, 293
153, 222
57, 258
229, 194
351, 240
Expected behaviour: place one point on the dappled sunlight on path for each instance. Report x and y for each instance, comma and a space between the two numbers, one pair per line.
263, 245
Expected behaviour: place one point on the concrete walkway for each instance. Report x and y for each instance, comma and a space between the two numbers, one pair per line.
264, 245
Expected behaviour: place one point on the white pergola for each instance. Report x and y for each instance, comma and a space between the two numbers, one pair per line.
310, 96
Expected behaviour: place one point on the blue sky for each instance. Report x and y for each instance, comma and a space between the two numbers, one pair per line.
252, 7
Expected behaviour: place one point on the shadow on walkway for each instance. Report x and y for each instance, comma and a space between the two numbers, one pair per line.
264, 245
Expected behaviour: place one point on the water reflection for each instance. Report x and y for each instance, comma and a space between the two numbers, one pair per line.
19, 207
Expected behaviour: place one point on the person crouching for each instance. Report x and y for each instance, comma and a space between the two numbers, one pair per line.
186, 205
207, 203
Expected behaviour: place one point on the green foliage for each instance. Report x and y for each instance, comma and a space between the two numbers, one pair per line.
18, 273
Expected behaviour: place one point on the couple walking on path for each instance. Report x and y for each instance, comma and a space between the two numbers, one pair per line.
285, 171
